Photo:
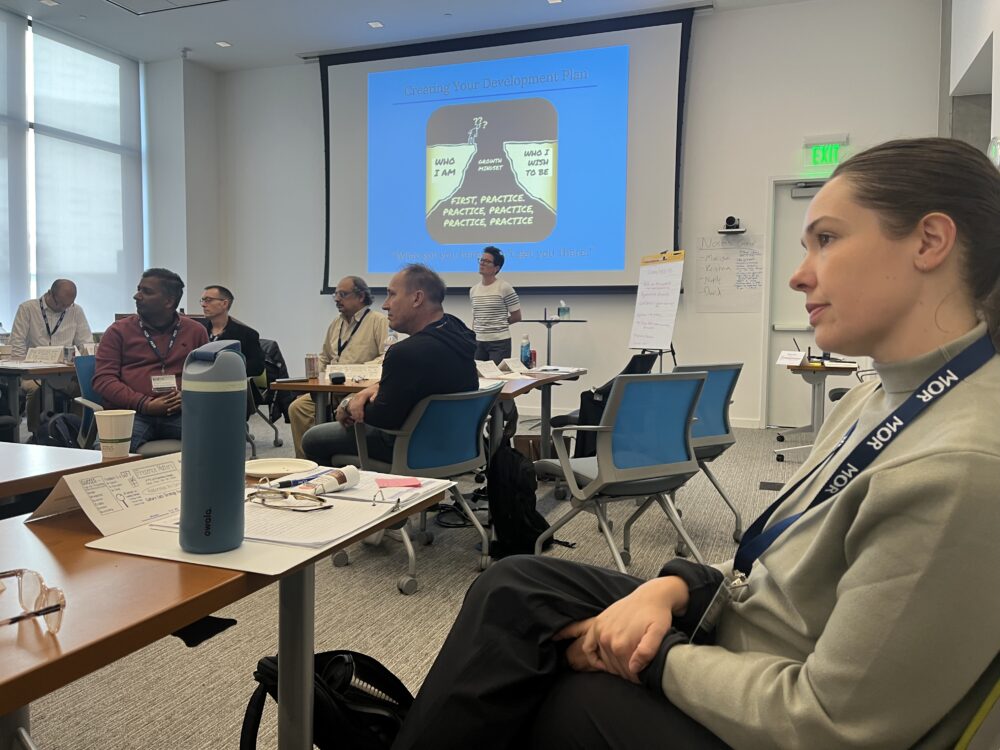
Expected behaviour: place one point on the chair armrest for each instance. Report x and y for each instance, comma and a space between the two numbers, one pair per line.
584, 428
88, 403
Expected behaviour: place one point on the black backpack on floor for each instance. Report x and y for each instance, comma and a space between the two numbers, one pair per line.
57, 430
357, 702
511, 486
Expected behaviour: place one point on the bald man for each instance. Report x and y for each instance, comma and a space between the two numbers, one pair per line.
54, 319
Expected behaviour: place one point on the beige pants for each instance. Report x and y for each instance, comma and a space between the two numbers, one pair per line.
302, 415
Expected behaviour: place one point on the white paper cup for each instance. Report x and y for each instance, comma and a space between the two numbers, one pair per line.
114, 430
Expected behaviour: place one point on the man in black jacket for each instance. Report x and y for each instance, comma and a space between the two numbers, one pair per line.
216, 302
437, 357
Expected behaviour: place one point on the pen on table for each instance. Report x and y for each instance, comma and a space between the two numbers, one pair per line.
295, 482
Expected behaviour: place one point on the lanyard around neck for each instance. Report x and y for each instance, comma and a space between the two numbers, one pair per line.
756, 540
156, 350
343, 345
45, 318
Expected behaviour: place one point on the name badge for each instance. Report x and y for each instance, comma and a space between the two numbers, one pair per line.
164, 383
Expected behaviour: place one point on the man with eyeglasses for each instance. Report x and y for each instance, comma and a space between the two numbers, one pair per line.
216, 302
357, 336
494, 307
54, 319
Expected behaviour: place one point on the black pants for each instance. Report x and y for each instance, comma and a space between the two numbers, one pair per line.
501, 682
493, 350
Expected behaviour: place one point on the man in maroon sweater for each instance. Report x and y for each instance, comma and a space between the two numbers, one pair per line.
140, 358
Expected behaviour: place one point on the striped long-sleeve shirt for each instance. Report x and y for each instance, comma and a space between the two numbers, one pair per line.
491, 308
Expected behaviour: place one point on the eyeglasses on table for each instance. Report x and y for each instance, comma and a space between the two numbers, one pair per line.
36, 599
301, 502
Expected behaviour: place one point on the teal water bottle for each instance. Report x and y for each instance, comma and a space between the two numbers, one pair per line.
213, 435
525, 351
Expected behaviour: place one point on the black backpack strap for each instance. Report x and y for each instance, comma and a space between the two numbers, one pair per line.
251, 719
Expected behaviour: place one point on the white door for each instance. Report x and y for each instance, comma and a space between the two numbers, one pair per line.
788, 395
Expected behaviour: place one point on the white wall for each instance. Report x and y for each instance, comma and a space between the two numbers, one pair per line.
201, 164
759, 80
974, 25
166, 178
182, 174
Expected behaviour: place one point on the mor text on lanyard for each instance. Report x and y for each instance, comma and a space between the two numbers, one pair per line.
45, 318
756, 540
341, 345
156, 350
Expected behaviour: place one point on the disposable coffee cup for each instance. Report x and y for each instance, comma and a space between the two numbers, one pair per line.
114, 430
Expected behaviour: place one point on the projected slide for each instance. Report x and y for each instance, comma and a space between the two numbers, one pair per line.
528, 153
500, 186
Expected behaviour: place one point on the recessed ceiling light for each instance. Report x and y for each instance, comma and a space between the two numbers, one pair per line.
223, 44
50, 3
376, 24
554, 2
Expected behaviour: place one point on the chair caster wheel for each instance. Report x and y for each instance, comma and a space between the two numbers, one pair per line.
626, 557
480, 477
780, 438
278, 442
424, 537
682, 550
561, 492
779, 457
341, 559
407, 585
737, 536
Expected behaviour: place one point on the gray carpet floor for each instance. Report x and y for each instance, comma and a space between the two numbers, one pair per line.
170, 696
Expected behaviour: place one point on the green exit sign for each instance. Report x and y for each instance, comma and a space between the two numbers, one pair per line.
824, 154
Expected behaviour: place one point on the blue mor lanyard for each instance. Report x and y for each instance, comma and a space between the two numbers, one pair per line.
756, 540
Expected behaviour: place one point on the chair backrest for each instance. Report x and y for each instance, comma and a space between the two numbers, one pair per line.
85, 365
650, 419
443, 435
712, 427
639, 364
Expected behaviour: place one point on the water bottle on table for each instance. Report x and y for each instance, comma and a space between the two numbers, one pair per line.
525, 351
213, 453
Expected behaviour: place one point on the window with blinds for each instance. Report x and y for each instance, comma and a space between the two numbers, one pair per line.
70, 170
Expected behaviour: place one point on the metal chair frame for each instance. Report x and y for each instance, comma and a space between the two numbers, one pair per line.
401, 457
611, 481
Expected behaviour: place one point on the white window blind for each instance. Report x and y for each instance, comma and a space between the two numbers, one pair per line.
70, 170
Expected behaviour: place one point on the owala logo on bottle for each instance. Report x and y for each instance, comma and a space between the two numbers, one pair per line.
208, 521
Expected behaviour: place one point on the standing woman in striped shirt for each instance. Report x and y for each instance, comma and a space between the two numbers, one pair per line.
494, 307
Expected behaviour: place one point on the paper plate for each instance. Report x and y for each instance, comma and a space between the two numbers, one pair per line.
277, 467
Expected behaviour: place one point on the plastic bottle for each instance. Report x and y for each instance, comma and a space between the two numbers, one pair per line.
390, 338
213, 435
525, 351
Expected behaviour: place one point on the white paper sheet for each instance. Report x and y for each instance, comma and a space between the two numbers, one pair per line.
119, 497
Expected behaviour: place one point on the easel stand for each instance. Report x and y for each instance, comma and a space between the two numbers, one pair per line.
660, 352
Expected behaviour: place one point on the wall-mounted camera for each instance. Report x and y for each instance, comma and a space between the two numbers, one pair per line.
732, 225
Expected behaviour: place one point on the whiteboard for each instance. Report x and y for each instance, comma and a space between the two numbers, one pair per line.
729, 274
656, 301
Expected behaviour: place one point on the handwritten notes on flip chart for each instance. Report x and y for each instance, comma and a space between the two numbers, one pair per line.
656, 301
729, 273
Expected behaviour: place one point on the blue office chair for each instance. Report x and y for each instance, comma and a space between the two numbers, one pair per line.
711, 432
643, 451
442, 438
89, 398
